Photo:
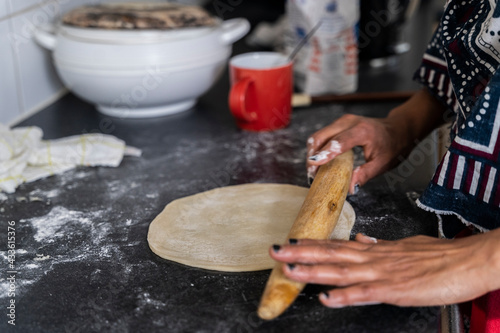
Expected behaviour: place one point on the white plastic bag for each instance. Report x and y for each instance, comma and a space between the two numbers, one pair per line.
328, 63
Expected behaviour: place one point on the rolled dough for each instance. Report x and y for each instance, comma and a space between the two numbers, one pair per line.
231, 228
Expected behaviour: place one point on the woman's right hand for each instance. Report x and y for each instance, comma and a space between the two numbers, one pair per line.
385, 141
381, 141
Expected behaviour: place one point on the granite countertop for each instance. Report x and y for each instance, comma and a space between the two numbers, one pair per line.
82, 257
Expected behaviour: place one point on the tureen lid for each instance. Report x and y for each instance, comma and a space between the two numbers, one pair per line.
139, 16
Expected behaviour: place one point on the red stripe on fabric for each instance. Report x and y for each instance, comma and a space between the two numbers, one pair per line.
435, 82
469, 174
491, 157
497, 192
453, 161
484, 182
438, 172
446, 86
485, 314
433, 65
426, 75
466, 16
496, 151
469, 150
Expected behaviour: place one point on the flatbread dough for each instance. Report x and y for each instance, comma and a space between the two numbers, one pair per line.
231, 228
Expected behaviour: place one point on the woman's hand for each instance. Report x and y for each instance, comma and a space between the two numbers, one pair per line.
416, 271
386, 142
381, 141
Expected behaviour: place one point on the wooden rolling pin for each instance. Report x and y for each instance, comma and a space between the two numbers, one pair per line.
316, 220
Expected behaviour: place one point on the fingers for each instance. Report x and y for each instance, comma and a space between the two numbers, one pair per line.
321, 252
325, 154
334, 242
362, 174
357, 295
329, 151
379, 146
406, 272
366, 239
323, 146
344, 134
321, 137
337, 145
338, 274
312, 170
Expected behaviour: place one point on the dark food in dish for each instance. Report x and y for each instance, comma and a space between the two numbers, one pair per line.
162, 16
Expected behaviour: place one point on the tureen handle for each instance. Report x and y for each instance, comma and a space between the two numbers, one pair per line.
234, 29
46, 38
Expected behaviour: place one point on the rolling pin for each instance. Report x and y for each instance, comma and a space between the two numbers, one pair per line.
304, 100
317, 218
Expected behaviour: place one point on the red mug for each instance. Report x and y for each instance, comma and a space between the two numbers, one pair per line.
261, 90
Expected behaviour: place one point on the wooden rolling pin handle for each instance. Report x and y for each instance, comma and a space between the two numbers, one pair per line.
304, 100
317, 218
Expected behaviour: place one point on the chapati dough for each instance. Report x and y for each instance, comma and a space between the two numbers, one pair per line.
231, 228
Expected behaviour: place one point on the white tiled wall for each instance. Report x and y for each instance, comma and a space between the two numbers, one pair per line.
28, 79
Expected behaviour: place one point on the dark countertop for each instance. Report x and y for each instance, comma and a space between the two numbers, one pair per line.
82, 257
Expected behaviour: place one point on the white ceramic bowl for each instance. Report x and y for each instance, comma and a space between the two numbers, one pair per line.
141, 73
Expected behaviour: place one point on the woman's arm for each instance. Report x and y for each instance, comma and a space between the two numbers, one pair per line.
416, 271
383, 140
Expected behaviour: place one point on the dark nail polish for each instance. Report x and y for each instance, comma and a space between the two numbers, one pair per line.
292, 241
291, 267
325, 294
356, 189
310, 180
276, 248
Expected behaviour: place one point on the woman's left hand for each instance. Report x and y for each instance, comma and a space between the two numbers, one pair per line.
416, 271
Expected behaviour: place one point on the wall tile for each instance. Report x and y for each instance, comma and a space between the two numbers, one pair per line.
38, 78
9, 98
19, 5
28, 77
4, 8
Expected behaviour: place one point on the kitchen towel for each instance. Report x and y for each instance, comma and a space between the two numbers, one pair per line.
25, 157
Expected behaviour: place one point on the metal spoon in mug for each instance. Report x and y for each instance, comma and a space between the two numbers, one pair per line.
303, 41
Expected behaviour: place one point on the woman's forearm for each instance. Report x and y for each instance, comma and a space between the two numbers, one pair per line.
416, 118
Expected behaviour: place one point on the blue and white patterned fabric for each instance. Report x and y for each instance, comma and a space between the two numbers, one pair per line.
460, 69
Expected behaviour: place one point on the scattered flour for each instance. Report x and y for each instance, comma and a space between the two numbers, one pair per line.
41, 257
144, 299
45, 194
59, 226
335, 147
321, 156
52, 225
